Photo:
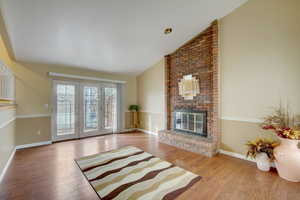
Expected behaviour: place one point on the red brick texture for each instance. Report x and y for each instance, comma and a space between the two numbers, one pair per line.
198, 57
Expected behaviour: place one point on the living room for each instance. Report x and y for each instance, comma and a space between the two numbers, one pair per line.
149, 100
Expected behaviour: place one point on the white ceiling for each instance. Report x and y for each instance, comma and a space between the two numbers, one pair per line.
123, 36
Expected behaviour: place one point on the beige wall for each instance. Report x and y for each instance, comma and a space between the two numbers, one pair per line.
260, 58
34, 92
7, 137
4, 57
260, 66
152, 122
7, 124
150, 86
33, 130
34, 85
236, 133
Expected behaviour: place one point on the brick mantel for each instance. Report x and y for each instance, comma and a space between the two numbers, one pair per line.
198, 57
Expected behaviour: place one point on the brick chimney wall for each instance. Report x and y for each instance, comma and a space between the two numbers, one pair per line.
198, 57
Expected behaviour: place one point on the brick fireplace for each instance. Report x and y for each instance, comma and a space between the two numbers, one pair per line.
197, 130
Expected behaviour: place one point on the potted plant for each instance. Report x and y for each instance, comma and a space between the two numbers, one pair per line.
261, 150
287, 154
134, 108
134, 115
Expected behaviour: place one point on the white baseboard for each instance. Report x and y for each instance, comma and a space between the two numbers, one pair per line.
146, 131
240, 156
7, 164
23, 146
235, 155
125, 130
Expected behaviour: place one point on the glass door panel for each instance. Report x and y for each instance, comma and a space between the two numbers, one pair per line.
83, 109
90, 108
110, 108
65, 110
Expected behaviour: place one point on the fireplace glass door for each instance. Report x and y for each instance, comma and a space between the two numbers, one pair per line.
191, 122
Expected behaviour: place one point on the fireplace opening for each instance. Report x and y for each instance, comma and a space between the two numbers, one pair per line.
193, 122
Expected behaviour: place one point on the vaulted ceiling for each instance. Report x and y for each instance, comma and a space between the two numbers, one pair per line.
123, 36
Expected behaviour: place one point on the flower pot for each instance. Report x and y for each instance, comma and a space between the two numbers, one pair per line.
287, 159
263, 162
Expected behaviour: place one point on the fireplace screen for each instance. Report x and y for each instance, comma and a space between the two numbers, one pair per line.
191, 122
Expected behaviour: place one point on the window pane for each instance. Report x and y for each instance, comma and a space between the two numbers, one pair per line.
91, 108
109, 107
65, 109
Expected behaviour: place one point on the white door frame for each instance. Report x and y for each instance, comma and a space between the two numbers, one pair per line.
55, 137
103, 86
83, 133
79, 113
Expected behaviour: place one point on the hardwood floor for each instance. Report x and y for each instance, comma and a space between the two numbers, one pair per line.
49, 172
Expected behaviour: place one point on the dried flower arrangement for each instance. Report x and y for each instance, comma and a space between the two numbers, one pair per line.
261, 145
283, 124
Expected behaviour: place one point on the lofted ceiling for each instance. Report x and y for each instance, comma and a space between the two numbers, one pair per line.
121, 36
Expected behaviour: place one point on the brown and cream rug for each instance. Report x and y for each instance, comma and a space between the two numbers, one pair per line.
131, 173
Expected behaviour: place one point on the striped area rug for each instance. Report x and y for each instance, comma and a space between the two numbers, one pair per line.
131, 173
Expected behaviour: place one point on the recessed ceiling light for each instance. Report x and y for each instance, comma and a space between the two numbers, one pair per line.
168, 31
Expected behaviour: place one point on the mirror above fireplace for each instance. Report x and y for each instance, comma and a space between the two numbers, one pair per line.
188, 87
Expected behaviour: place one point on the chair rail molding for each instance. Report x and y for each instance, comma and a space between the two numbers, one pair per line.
33, 116
253, 120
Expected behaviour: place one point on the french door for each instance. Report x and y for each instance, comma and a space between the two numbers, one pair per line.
83, 109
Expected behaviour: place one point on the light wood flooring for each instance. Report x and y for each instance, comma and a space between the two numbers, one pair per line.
49, 172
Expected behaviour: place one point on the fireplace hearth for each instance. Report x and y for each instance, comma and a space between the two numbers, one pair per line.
190, 122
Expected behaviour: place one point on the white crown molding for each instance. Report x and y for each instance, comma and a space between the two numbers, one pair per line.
23, 146
7, 122
84, 77
242, 119
2, 174
33, 116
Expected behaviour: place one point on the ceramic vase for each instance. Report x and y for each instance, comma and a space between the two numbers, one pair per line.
263, 162
287, 159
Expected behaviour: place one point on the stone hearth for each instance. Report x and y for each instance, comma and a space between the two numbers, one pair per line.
189, 142
197, 58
